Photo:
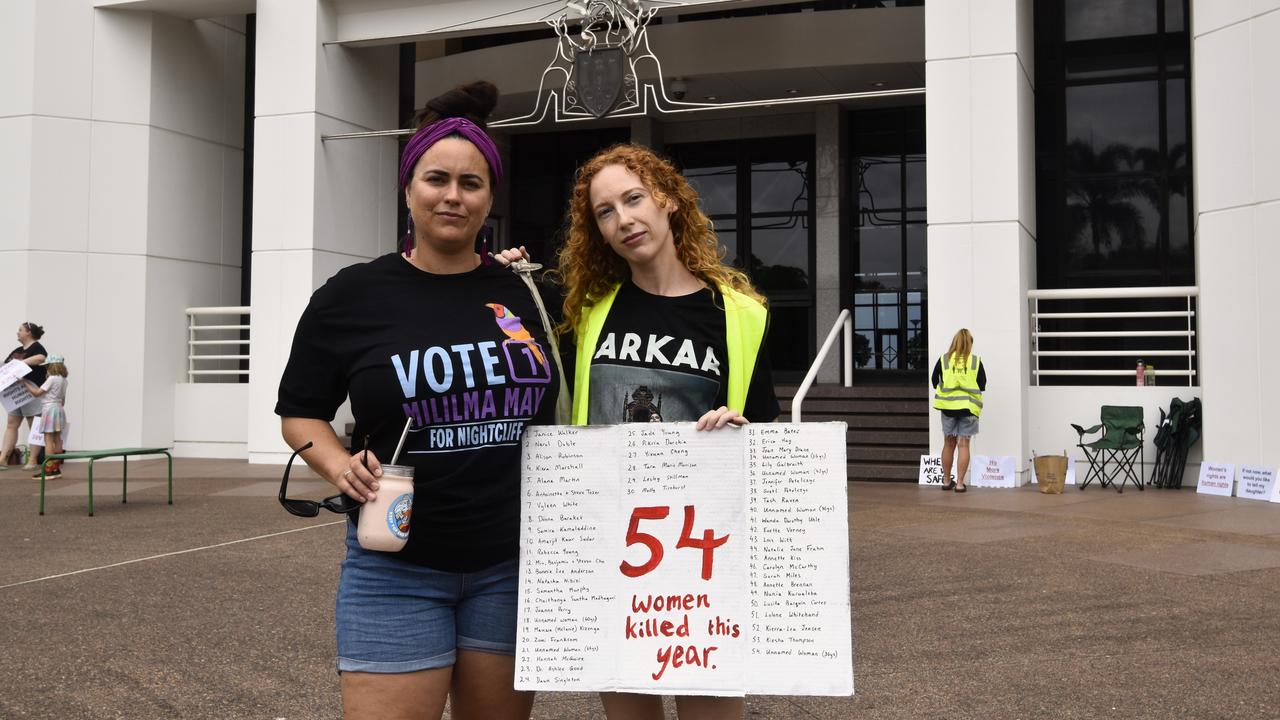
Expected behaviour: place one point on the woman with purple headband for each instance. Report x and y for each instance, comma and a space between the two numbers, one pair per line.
429, 336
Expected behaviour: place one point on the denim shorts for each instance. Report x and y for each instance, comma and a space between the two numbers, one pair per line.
966, 426
393, 616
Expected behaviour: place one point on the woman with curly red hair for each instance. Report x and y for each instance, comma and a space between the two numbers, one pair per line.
653, 306
665, 331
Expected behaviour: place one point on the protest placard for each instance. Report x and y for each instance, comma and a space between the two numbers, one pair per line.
658, 559
13, 392
36, 436
1255, 483
993, 471
1216, 478
931, 470
11, 371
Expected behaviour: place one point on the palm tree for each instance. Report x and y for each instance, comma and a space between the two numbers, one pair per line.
1106, 208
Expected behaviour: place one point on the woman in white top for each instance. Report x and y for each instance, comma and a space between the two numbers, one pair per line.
52, 394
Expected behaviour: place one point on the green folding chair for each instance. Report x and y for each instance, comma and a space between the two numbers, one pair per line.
1112, 455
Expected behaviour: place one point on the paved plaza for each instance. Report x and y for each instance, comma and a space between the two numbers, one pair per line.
992, 604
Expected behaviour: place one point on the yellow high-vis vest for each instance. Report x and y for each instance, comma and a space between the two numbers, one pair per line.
744, 322
959, 388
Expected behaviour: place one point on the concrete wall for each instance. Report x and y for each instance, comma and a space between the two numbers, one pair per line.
120, 173
209, 420
1052, 410
1235, 103
980, 131
318, 206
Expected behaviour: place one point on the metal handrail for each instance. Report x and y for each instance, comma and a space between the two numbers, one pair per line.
194, 357
843, 321
1034, 297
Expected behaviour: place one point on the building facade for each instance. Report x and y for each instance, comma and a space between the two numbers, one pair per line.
927, 165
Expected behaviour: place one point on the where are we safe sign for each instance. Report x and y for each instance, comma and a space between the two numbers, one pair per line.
658, 559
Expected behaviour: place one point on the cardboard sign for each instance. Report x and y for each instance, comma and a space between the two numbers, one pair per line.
1071, 472
36, 437
14, 396
931, 470
1256, 483
993, 471
12, 371
658, 559
1216, 478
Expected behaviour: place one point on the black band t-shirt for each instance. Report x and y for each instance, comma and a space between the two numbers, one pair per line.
465, 357
665, 359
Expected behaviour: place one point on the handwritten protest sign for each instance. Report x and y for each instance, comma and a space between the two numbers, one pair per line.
658, 559
993, 471
13, 392
1216, 478
1256, 483
931, 470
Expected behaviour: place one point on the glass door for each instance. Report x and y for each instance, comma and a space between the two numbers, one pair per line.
758, 194
886, 280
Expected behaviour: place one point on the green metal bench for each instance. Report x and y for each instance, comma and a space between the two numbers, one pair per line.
92, 455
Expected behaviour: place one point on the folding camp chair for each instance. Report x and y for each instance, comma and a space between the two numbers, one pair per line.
1119, 445
1178, 431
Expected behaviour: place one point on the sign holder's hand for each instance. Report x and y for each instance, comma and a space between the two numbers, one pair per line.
720, 417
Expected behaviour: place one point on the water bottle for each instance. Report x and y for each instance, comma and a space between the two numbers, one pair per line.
1141, 374
1150, 375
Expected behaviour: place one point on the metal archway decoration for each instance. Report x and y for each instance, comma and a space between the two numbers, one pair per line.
593, 72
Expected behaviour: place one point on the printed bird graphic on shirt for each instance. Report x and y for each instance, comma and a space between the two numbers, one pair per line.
510, 324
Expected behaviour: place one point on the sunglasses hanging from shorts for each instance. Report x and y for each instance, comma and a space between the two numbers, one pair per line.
340, 503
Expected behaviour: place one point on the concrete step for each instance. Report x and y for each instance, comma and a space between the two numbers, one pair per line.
874, 422
883, 472
855, 406
902, 392
915, 438
882, 454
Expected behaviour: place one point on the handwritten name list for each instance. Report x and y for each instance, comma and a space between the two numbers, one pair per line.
659, 559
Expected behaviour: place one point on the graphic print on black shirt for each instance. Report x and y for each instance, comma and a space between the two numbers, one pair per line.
662, 359
453, 412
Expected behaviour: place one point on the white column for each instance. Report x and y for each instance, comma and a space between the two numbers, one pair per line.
980, 135
317, 206
120, 157
1236, 50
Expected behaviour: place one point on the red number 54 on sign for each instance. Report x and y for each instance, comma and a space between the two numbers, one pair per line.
708, 543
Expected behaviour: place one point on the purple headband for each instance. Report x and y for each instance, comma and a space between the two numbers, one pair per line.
429, 135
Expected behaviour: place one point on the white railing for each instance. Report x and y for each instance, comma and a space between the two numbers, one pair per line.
843, 321
214, 336
1074, 337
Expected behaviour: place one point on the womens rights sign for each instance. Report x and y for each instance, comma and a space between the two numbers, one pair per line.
658, 559
13, 392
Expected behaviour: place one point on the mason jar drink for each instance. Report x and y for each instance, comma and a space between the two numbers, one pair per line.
384, 522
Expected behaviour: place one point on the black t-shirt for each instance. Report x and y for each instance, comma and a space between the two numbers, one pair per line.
665, 359
38, 373
465, 356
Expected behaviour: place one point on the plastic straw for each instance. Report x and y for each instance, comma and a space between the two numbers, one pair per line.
400, 445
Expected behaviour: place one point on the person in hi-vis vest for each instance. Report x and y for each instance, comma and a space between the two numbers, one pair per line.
958, 381
663, 329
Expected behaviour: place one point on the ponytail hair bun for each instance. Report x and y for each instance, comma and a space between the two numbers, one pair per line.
473, 101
